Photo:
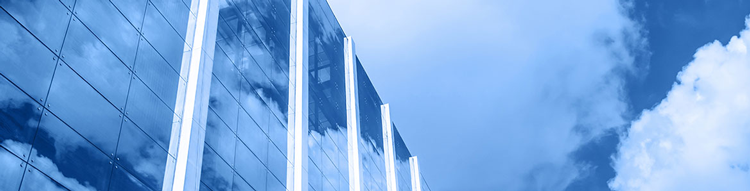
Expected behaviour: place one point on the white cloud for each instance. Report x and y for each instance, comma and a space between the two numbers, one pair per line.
698, 138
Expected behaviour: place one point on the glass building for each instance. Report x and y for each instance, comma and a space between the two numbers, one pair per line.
191, 95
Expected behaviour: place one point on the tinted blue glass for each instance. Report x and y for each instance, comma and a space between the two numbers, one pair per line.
25, 60
34, 180
149, 113
176, 12
110, 26
19, 117
68, 158
46, 19
132, 9
274, 184
228, 74
278, 134
239, 184
164, 39
157, 74
215, 173
96, 64
277, 164
219, 137
140, 155
223, 103
252, 137
10, 176
254, 105
76, 103
250, 168
124, 181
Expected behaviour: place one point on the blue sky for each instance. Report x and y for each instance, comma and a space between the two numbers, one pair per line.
542, 95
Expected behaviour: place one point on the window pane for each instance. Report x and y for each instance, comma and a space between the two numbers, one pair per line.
176, 12
222, 102
25, 61
250, 168
132, 9
68, 158
124, 181
10, 176
95, 63
76, 103
142, 156
239, 184
220, 138
46, 19
166, 41
149, 113
253, 137
34, 180
110, 26
215, 173
19, 116
157, 74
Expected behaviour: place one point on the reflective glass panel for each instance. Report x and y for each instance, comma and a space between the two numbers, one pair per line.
96, 64
25, 60
76, 103
141, 156
19, 117
46, 19
68, 158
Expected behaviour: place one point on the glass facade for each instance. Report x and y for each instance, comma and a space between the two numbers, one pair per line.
92, 94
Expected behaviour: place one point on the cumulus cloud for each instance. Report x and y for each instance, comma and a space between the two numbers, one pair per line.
698, 138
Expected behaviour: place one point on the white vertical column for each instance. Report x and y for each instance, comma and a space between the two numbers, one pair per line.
352, 113
416, 183
298, 98
188, 127
390, 161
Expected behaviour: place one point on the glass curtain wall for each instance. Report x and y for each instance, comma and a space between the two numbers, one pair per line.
246, 135
403, 168
88, 92
371, 153
328, 158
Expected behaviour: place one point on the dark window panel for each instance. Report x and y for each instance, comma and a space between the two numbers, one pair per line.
220, 137
10, 176
138, 153
46, 19
96, 64
86, 111
110, 26
166, 41
19, 118
149, 113
250, 168
124, 181
68, 158
25, 61
158, 75
132, 10
215, 173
